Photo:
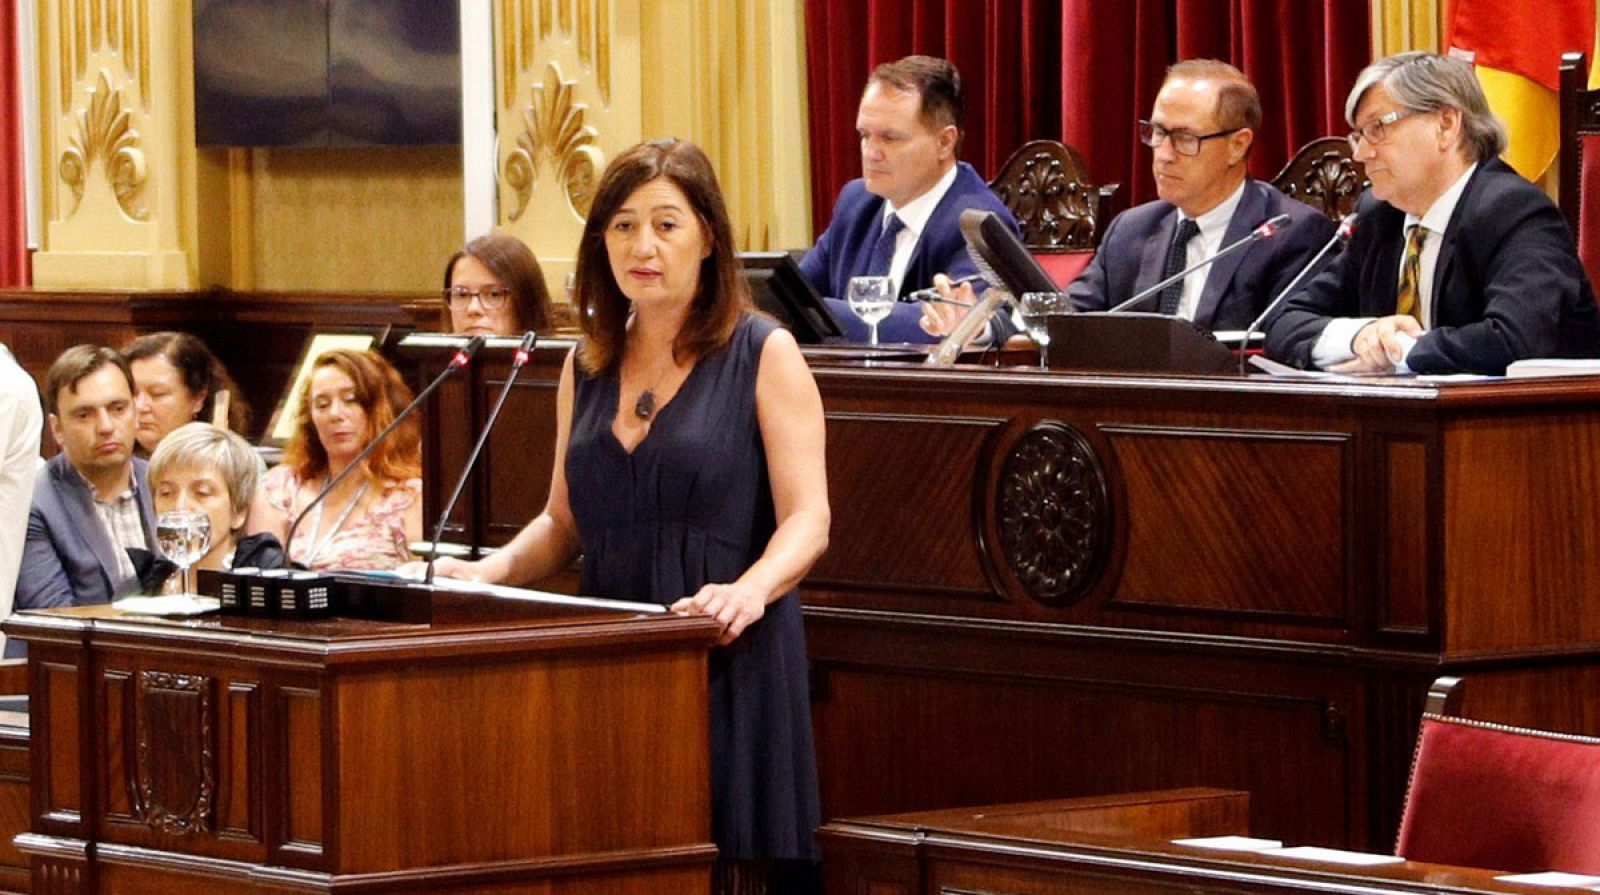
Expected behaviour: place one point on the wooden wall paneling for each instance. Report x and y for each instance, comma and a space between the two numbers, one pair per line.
1521, 534
15, 811
1254, 519
65, 772
300, 791
521, 450
1408, 526
909, 474
239, 806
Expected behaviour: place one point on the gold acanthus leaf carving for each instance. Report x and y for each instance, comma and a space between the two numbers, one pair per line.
105, 133
555, 136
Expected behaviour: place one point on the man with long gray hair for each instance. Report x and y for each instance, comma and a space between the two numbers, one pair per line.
1457, 264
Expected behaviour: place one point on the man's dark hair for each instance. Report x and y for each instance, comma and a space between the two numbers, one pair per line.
935, 80
77, 363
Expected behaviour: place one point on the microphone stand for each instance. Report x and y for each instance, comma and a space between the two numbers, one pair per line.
1268, 228
462, 358
1340, 237
518, 361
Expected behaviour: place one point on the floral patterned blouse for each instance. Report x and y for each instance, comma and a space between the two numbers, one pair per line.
372, 539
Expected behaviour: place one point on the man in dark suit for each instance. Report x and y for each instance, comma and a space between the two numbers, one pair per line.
1200, 132
901, 218
92, 502
1457, 263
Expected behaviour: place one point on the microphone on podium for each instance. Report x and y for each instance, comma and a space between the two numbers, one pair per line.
518, 361
461, 359
1270, 227
1340, 237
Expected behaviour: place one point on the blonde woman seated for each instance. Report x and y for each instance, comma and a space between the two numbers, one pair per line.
369, 521
198, 466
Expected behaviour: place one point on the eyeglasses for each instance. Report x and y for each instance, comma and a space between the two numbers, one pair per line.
1377, 130
1183, 142
459, 297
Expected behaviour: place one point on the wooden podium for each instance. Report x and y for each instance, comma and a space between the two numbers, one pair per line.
562, 753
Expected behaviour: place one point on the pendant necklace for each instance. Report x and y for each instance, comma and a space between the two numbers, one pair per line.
645, 407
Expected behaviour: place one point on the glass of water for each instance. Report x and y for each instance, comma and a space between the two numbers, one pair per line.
871, 299
184, 537
1037, 309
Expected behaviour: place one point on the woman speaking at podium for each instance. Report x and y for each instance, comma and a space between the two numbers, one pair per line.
689, 471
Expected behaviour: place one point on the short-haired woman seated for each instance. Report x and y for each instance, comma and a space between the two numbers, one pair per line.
201, 467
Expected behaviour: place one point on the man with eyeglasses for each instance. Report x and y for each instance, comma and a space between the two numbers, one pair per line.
1457, 263
1200, 132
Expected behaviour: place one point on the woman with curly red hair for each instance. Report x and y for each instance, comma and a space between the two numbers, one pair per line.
370, 519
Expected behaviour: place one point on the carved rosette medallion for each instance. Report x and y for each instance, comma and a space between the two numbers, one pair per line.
104, 133
1053, 513
175, 772
555, 136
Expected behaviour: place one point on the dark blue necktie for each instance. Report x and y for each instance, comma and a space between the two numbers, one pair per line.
1177, 260
882, 254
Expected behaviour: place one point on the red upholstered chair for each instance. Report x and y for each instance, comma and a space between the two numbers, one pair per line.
1325, 175
1498, 797
1047, 188
1580, 159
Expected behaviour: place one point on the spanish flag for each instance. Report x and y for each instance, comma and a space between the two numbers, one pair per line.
1516, 48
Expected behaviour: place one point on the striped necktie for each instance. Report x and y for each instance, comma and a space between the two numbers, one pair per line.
1410, 293
1177, 260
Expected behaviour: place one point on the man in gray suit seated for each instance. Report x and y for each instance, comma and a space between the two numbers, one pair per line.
92, 503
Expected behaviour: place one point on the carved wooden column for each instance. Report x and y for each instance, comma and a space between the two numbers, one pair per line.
117, 133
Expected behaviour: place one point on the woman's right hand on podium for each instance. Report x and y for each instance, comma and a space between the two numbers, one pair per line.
445, 567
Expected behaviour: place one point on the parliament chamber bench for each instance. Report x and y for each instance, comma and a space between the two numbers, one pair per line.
1140, 843
1045, 585
1052, 585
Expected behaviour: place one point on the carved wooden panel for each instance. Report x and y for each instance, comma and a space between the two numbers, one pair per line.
176, 776
1046, 186
1255, 520
60, 757
302, 797
1406, 522
1053, 513
52, 877
909, 474
979, 739
117, 697
239, 792
1325, 175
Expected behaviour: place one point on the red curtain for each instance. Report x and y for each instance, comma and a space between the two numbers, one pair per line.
1082, 72
13, 196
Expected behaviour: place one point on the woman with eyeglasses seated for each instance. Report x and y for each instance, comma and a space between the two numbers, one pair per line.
177, 380
369, 521
494, 287
201, 467
689, 472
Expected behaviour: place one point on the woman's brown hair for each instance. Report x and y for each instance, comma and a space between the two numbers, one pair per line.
201, 372
722, 296
382, 394
514, 265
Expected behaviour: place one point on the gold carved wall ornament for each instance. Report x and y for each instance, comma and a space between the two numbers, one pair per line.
554, 135
105, 133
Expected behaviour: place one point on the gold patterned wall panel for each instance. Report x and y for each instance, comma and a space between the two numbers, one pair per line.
115, 121
567, 90
352, 219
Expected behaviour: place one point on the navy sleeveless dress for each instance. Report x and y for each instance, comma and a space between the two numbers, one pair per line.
692, 505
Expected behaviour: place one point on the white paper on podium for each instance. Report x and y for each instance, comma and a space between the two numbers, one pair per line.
1333, 856
539, 596
1231, 843
1551, 878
